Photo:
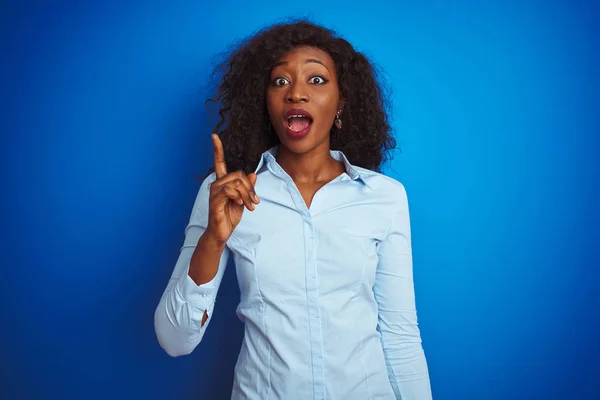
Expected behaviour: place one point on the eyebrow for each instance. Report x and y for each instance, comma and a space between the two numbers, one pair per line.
308, 60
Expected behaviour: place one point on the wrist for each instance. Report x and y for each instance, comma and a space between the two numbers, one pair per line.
210, 242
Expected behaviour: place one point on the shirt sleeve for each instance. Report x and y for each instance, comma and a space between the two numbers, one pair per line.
178, 317
397, 319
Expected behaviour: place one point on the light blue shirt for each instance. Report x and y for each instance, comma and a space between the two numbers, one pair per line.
327, 293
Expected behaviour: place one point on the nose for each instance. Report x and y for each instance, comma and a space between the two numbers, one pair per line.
296, 93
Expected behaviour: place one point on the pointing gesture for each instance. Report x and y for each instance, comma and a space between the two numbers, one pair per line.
220, 167
229, 195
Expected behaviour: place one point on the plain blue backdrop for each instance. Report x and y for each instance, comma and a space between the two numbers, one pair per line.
103, 131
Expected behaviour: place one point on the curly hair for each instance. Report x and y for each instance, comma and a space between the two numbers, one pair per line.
244, 126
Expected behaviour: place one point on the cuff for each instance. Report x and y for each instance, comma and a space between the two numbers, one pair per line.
200, 296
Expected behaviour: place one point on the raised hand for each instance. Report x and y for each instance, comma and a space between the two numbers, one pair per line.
229, 195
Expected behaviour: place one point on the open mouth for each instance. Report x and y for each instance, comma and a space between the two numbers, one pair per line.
298, 123
298, 120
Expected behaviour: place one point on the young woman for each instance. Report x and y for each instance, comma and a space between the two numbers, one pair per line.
320, 238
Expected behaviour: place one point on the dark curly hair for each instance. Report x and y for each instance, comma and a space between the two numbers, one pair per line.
244, 126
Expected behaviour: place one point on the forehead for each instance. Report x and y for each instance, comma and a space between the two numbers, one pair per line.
302, 53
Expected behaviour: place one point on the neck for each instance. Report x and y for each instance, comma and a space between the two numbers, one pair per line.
314, 166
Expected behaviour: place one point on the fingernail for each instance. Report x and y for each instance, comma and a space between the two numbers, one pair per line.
255, 197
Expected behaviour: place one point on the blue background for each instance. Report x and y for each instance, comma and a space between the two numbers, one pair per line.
496, 108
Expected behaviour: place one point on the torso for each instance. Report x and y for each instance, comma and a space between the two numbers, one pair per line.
303, 278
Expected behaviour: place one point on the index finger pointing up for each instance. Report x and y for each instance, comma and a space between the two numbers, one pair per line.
220, 167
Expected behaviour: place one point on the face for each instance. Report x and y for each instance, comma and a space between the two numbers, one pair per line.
303, 98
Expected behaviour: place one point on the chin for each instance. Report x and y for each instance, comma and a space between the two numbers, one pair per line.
305, 145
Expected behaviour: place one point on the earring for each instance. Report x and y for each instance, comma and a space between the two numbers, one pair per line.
338, 120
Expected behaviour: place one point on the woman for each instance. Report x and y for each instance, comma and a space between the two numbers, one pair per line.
320, 238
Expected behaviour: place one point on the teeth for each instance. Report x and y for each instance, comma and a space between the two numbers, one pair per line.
289, 120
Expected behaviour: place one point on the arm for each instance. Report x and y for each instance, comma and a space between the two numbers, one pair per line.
397, 321
178, 319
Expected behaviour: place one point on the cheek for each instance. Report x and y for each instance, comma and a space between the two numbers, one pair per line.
328, 97
270, 105
327, 104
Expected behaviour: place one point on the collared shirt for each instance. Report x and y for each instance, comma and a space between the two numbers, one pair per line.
326, 292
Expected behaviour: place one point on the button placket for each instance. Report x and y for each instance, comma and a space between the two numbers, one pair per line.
312, 290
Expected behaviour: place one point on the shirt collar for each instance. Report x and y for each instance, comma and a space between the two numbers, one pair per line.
268, 157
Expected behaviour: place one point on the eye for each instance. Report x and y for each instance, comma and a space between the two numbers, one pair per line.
279, 81
318, 80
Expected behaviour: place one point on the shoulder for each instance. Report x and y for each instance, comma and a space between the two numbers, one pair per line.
200, 207
208, 180
205, 185
383, 185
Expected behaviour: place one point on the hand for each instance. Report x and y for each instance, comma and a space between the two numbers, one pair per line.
229, 195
